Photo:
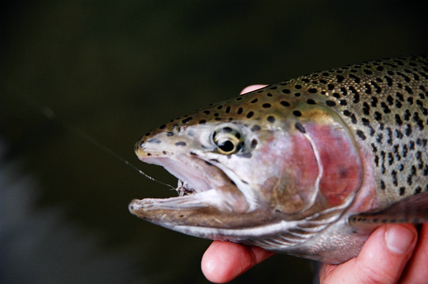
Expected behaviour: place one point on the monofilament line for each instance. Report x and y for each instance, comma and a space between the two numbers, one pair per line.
49, 113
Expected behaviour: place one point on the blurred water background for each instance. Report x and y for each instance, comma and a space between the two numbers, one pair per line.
116, 69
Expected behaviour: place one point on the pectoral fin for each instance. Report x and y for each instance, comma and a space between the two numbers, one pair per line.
413, 209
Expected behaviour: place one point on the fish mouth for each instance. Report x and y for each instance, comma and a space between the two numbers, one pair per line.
201, 184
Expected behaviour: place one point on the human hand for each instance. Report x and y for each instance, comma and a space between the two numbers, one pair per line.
383, 258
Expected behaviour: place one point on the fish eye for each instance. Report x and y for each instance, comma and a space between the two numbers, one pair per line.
228, 140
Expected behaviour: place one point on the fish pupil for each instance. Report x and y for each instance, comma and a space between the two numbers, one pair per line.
226, 146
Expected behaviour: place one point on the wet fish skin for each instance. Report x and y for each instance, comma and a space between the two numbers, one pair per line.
309, 166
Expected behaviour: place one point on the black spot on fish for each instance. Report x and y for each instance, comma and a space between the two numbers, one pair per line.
254, 101
398, 119
184, 121
385, 108
389, 80
366, 108
300, 127
169, 134
255, 128
180, 143
253, 143
297, 113
418, 189
286, 91
356, 79
154, 140
361, 134
378, 116
285, 103
250, 114
162, 126
330, 103
310, 102
390, 100
240, 110
312, 90
266, 105
203, 121
228, 109
408, 89
271, 119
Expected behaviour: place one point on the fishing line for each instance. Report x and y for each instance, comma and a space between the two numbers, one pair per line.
50, 114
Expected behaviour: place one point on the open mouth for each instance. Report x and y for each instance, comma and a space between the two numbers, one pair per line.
201, 184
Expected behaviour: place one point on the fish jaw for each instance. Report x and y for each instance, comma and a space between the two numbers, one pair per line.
214, 201
212, 197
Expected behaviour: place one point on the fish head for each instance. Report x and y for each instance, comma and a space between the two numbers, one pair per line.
251, 166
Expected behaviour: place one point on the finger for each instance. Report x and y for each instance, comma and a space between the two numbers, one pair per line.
381, 260
416, 271
252, 88
223, 261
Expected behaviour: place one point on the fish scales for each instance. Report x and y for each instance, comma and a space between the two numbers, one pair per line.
309, 166
385, 103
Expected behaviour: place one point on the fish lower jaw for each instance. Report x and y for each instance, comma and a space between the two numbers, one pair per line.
213, 198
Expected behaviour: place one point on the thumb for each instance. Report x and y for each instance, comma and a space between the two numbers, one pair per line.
381, 260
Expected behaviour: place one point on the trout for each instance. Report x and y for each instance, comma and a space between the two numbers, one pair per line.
308, 167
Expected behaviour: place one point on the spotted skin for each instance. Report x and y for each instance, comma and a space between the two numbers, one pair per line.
367, 125
384, 102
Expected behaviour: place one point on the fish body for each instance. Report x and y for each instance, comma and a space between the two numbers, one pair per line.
308, 167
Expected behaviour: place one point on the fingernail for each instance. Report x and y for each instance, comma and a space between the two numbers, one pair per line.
398, 239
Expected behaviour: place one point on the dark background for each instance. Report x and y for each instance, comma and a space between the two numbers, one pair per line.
116, 69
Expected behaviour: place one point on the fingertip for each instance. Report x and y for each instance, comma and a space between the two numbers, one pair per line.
224, 261
252, 88
399, 239
220, 262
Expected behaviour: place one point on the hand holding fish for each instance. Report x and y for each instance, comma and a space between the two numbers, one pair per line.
383, 259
